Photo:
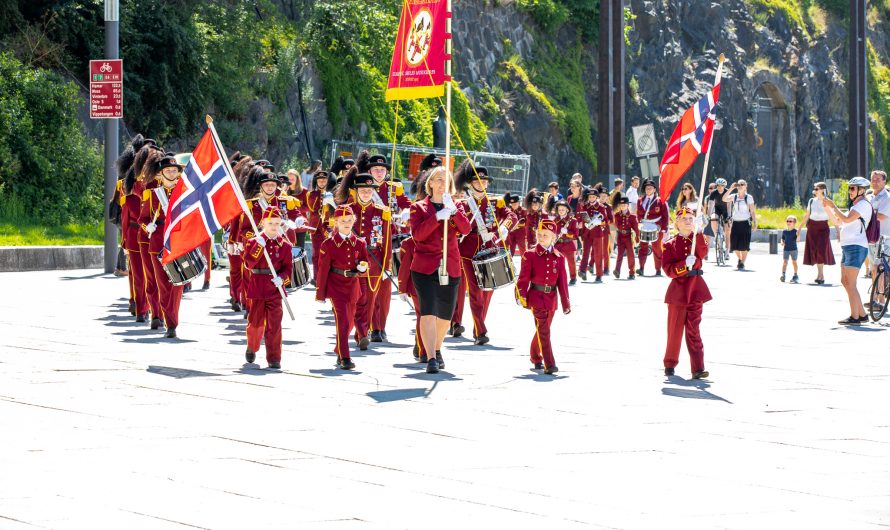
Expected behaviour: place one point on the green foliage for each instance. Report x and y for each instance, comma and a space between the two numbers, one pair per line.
552, 14
549, 14
23, 233
838, 8
774, 218
791, 10
879, 101
46, 160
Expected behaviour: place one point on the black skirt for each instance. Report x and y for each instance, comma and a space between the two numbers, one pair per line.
436, 300
740, 237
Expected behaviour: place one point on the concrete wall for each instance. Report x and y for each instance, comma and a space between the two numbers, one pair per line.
13, 259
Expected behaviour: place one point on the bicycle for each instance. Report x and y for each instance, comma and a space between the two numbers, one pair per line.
720, 243
880, 287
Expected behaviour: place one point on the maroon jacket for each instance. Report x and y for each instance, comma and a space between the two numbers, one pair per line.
597, 208
406, 255
151, 210
684, 288
545, 268
658, 212
566, 242
259, 285
427, 233
626, 223
472, 244
341, 253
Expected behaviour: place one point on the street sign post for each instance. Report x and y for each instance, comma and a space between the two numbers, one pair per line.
106, 89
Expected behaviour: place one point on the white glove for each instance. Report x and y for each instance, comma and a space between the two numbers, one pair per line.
361, 267
299, 222
488, 236
564, 231
699, 225
290, 224
277, 281
444, 214
329, 199
448, 201
406, 215
690, 261
403, 297
261, 241
230, 248
239, 247
596, 222
150, 228
504, 232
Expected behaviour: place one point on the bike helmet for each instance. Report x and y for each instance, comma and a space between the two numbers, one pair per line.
721, 182
859, 182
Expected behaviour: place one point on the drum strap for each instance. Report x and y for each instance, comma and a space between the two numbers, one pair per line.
474, 209
161, 194
263, 203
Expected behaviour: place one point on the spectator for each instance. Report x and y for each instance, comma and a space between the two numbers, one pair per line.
687, 197
718, 212
818, 246
854, 243
306, 176
633, 193
880, 201
744, 221
575, 190
789, 246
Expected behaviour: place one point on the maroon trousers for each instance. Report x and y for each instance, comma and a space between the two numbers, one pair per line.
235, 277
656, 251
541, 349
625, 246
596, 253
417, 337
317, 238
684, 318
516, 240
344, 311
137, 282
151, 280
380, 309
264, 321
479, 299
458, 316
169, 296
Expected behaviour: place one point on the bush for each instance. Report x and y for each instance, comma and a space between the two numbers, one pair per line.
46, 161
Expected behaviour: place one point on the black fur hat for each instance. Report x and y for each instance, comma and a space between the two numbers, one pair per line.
235, 157
341, 196
252, 180
430, 161
336, 166
511, 198
146, 163
363, 162
533, 196
125, 161
317, 175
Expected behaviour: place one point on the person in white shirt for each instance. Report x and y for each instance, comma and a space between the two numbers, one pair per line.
854, 243
633, 193
744, 220
880, 201
306, 176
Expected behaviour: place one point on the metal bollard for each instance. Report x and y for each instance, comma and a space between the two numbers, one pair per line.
773, 243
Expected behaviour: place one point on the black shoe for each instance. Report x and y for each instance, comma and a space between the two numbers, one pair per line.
631, 277
795, 279
863, 320
607, 272
187, 288
205, 286
375, 336
432, 366
456, 330
132, 308
249, 356
274, 366
668, 371
702, 374
440, 360
658, 274
155, 323
550, 370
583, 275
616, 274
416, 353
171, 333
424, 358
782, 278
346, 363
820, 282
573, 281
539, 366
640, 272
141, 318
363, 343
245, 314
236, 307
599, 279
481, 339
590, 269
383, 337
849, 321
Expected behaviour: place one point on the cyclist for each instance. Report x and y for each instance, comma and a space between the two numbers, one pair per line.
719, 212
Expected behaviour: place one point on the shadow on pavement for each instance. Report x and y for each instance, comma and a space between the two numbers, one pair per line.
157, 340
178, 373
334, 372
695, 389
411, 366
108, 276
540, 378
441, 376
386, 396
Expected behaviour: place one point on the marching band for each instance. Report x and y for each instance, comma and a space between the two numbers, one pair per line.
368, 238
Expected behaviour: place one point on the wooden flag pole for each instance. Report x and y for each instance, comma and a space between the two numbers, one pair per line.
443, 267
244, 208
704, 177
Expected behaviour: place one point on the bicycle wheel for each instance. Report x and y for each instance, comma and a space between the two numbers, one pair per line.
718, 247
877, 308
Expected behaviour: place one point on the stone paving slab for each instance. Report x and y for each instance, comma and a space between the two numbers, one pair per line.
108, 425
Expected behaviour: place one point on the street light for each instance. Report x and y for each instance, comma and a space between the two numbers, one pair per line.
112, 32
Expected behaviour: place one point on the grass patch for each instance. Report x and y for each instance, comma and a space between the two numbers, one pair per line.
790, 9
774, 218
762, 63
32, 234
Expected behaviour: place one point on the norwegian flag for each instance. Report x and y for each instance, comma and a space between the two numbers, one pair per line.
202, 202
691, 137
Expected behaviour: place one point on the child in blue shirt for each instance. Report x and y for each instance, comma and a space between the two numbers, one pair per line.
789, 244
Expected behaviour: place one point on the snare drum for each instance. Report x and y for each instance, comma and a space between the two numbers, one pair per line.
493, 269
185, 268
648, 232
300, 271
396, 252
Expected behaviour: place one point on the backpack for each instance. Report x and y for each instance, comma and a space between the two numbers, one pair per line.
748, 203
873, 230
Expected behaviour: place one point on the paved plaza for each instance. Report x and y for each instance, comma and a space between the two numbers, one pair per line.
107, 425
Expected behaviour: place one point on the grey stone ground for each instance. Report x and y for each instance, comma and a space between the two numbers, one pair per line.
107, 425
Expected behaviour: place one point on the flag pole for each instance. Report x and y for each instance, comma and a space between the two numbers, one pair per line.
230, 173
704, 177
443, 268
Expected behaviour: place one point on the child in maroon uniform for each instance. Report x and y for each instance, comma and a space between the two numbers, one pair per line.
342, 264
682, 259
542, 275
567, 236
264, 314
626, 226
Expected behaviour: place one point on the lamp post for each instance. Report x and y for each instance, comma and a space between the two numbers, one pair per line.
112, 32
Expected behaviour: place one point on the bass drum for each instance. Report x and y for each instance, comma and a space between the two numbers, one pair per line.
185, 268
300, 275
396, 252
493, 269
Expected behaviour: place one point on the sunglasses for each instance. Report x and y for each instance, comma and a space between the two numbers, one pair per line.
789, 221
743, 185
